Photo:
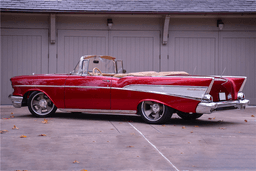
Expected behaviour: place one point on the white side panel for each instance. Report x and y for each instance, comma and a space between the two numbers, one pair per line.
72, 44
139, 50
238, 56
193, 92
23, 52
193, 52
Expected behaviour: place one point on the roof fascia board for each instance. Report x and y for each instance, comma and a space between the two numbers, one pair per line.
127, 12
171, 14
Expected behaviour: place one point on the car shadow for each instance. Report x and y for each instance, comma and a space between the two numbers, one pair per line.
133, 118
138, 119
199, 122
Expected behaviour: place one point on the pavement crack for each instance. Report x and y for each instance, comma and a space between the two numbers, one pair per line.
156, 129
115, 127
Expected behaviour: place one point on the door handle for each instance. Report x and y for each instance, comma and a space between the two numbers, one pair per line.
106, 81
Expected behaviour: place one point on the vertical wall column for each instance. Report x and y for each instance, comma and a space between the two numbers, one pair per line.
0, 62
164, 44
52, 44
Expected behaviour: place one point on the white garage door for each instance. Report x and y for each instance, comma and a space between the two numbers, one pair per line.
193, 52
72, 44
23, 52
207, 53
238, 57
138, 49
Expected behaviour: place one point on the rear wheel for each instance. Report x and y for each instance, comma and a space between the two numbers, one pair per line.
187, 116
40, 105
155, 113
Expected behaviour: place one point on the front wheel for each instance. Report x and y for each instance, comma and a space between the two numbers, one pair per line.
187, 116
155, 113
40, 105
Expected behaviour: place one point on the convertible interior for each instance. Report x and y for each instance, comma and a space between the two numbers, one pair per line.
140, 74
102, 65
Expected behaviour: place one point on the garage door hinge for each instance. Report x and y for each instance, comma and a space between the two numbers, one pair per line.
159, 56
167, 56
48, 56
56, 55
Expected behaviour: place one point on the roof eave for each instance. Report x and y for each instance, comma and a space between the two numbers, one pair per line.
128, 12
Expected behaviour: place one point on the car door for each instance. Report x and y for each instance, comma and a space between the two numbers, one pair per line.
87, 92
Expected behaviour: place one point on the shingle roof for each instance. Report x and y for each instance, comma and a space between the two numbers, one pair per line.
131, 6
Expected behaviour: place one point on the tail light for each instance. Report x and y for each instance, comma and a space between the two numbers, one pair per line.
240, 96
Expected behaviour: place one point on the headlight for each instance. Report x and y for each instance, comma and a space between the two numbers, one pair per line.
240, 96
207, 98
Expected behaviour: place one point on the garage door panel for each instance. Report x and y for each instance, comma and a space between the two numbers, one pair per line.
192, 52
23, 52
72, 44
138, 49
238, 57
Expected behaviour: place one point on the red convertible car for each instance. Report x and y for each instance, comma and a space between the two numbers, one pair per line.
99, 84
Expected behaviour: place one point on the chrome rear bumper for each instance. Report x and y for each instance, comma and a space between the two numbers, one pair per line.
16, 100
207, 108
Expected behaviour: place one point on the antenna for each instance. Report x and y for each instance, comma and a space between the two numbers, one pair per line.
194, 70
223, 72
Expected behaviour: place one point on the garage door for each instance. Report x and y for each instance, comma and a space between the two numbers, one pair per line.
193, 52
138, 49
72, 44
23, 52
238, 57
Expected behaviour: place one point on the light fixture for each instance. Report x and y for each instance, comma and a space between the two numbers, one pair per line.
110, 23
220, 24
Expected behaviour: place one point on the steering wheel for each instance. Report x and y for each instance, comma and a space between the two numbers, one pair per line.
94, 71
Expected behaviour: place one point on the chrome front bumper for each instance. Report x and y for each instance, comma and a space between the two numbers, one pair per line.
207, 108
16, 100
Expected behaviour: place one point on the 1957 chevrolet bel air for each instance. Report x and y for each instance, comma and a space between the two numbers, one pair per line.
99, 84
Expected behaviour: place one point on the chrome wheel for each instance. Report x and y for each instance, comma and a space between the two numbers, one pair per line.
152, 111
155, 113
40, 104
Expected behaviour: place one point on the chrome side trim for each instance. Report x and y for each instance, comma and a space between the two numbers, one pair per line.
61, 86
242, 86
16, 100
99, 111
207, 108
38, 86
87, 87
210, 86
188, 92
188, 76
228, 76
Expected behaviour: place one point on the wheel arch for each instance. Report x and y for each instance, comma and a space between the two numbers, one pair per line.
28, 93
154, 100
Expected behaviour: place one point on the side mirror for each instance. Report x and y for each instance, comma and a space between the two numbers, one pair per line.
124, 70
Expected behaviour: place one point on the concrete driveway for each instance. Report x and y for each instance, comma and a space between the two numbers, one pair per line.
224, 140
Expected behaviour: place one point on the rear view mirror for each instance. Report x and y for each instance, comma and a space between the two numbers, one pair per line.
95, 61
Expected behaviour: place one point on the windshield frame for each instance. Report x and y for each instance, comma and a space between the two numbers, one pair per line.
80, 70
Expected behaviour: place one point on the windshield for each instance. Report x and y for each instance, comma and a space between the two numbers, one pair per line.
105, 65
76, 69
87, 64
